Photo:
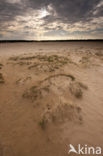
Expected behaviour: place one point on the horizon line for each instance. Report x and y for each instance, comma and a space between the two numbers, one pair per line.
17, 40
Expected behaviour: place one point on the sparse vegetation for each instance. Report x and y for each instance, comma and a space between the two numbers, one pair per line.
61, 113
35, 92
14, 58
49, 63
76, 90
23, 63
42, 63
42, 124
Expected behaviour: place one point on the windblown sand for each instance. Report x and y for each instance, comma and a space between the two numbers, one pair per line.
51, 95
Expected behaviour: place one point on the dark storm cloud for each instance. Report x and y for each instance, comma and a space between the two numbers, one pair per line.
65, 11
69, 10
72, 10
8, 11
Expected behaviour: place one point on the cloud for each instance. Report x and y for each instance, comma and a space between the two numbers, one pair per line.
13, 1
47, 18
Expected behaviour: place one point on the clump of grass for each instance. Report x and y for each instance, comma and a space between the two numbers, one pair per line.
23, 63
35, 92
78, 93
76, 90
1, 78
42, 124
53, 59
27, 58
14, 58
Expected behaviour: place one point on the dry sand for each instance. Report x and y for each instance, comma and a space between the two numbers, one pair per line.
51, 95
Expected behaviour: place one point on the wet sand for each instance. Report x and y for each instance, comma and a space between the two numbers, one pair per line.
51, 95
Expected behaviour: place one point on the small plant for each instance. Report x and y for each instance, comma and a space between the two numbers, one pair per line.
76, 90
42, 124
78, 93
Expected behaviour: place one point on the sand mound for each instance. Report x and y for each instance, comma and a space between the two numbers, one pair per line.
60, 114
56, 84
59, 84
62, 88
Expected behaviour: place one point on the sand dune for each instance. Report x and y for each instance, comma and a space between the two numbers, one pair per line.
51, 95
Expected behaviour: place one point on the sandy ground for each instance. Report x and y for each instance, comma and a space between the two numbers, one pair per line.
51, 95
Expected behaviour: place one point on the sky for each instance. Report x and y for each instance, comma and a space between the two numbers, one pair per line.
51, 19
